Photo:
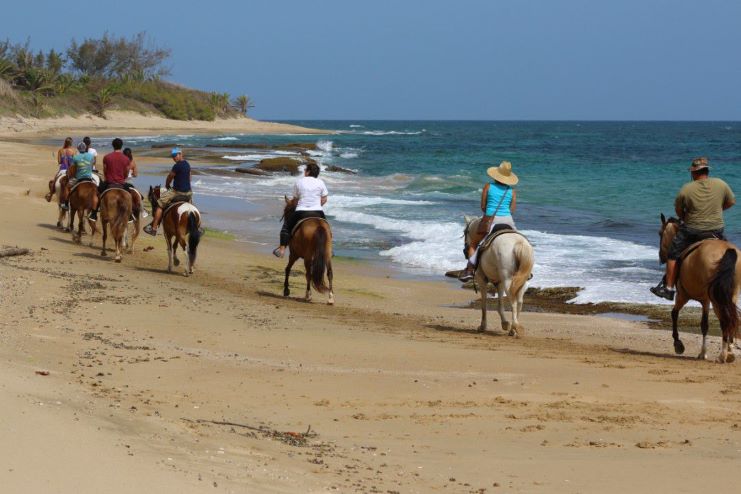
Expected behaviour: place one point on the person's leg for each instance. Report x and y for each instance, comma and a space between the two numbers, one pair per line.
285, 232
671, 273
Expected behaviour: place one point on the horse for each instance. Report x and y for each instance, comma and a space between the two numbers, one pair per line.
115, 210
82, 199
312, 241
181, 220
56, 186
710, 273
507, 263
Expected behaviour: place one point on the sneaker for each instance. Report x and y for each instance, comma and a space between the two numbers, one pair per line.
48, 197
65, 207
466, 274
148, 229
277, 253
663, 292
93, 216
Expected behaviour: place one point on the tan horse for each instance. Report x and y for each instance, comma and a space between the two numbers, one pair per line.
507, 264
136, 212
312, 241
180, 220
710, 273
82, 200
115, 210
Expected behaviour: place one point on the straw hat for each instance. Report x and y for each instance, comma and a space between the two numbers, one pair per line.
503, 173
698, 164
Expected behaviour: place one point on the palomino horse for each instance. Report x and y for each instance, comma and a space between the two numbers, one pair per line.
181, 220
312, 241
710, 273
115, 210
507, 263
82, 199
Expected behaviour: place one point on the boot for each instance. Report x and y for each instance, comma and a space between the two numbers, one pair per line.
467, 274
93, 216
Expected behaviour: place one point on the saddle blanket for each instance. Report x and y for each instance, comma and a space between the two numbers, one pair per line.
486, 243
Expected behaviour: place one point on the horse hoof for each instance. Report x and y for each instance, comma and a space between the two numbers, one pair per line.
117, 258
678, 347
286, 292
730, 358
103, 254
59, 224
330, 301
176, 262
481, 328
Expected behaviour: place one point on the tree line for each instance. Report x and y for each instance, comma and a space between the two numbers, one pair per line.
99, 73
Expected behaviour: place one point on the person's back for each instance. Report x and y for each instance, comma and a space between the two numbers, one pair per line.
309, 191
83, 165
115, 167
181, 180
702, 202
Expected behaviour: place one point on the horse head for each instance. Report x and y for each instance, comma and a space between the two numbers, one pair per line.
669, 228
469, 220
153, 195
290, 207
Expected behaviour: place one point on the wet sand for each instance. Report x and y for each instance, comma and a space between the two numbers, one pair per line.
216, 383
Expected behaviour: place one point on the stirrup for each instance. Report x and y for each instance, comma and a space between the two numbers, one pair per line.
148, 229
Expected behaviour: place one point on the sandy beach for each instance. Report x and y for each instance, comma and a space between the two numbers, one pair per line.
123, 378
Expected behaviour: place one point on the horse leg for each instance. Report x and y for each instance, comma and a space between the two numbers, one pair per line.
170, 247
514, 304
330, 300
307, 268
184, 246
680, 302
291, 260
704, 328
104, 227
506, 325
481, 281
174, 249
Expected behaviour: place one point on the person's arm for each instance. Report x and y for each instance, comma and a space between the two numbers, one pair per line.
170, 178
513, 205
730, 199
325, 194
484, 197
679, 207
59, 155
324, 199
134, 171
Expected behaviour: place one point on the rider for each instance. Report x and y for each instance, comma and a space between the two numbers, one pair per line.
179, 178
115, 171
133, 171
64, 160
498, 202
699, 205
312, 194
81, 169
89, 143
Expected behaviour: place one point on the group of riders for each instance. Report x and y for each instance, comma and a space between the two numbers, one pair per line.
699, 205
78, 164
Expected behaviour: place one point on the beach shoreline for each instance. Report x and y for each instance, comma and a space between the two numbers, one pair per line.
217, 382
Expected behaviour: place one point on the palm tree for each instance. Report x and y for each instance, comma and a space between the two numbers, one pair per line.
243, 104
39, 83
102, 99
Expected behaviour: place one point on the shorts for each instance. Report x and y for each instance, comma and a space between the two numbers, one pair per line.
168, 195
686, 237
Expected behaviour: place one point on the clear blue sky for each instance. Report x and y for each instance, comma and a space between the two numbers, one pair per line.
431, 59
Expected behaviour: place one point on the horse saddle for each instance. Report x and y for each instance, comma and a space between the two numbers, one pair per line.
80, 182
496, 232
177, 201
689, 250
302, 220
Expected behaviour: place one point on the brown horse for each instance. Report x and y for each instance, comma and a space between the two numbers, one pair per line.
115, 210
181, 220
312, 241
710, 273
82, 199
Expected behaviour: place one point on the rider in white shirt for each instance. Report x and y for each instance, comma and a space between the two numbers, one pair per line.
312, 194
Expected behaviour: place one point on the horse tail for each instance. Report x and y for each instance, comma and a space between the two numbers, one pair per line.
722, 291
121, 221
525, 261
194, 235
319, 260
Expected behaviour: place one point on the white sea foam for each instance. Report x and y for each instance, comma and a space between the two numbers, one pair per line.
257, 157
365, 201
229, 138
356, 126
348, 155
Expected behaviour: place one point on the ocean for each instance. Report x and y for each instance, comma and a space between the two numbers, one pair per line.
589, 196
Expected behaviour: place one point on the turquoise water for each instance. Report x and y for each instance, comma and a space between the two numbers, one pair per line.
589, 197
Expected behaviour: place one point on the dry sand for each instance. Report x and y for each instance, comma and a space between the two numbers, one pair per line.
131, 123
397, 391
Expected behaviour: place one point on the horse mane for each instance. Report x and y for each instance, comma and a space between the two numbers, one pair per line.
673, 220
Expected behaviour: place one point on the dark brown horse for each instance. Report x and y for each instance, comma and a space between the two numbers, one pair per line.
710, 273
82, 199
312, 241
181, 220
115, 210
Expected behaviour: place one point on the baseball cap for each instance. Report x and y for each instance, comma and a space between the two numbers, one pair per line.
175, 151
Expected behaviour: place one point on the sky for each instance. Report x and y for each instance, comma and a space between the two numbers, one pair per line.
431, 59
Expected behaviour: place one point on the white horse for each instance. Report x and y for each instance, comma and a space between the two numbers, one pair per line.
507, 264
